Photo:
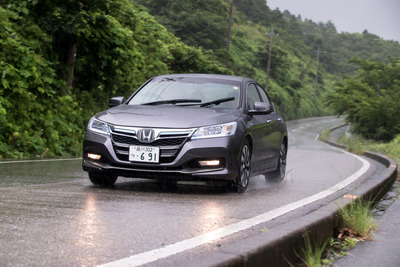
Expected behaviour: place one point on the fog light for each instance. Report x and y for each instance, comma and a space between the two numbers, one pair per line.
208, 163
93, 156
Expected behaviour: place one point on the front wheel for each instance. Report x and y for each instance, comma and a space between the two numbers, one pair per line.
102, 179
243, 178
278, 175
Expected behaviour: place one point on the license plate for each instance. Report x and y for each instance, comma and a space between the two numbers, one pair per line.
144, 154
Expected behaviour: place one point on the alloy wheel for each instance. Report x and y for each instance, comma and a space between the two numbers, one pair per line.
243, 178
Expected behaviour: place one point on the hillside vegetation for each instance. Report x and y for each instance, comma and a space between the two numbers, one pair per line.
60, 60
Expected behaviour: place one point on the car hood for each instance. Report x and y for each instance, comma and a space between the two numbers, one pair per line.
167, 116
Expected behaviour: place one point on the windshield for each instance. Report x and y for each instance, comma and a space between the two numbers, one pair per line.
189, 91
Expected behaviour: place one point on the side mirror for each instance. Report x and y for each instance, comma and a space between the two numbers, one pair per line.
261, 108
116, 101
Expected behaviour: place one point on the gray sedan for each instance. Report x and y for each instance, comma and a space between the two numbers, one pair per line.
201, 127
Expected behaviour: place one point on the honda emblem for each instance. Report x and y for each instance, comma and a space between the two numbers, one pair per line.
146, 135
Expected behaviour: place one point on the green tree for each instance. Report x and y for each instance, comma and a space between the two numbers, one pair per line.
370, 99
197, 23
256, 11
36, 119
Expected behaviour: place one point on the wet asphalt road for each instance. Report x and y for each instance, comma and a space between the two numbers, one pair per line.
51, 215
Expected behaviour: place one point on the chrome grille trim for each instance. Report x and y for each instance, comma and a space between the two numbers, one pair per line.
159, 132
170, 141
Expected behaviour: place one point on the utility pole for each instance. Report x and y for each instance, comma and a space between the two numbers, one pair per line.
228, 38
271, 35
316, 73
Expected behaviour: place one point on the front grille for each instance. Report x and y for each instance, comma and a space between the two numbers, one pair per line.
169, 141
125, 139
160, 142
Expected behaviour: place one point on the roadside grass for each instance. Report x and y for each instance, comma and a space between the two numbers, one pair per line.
339, 248
391, 149
357, 224
357, 221
358, 145
325, 134
353, 144
313, 256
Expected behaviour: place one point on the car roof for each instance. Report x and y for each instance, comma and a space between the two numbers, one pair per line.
200, 75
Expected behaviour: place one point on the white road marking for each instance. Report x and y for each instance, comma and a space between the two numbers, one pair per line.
156, 254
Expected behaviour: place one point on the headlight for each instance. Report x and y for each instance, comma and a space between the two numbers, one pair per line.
98, 126
221, 130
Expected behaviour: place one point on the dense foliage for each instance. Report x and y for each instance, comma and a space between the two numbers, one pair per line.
118, 46
60, 60
371, 99
35, 118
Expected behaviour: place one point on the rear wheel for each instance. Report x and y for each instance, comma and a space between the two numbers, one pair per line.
243, 178
98, 178
279, 174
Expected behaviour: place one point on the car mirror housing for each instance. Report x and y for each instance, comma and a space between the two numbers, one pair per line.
116, 101
261, 108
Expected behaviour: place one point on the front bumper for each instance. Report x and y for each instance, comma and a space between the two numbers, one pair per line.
183, 167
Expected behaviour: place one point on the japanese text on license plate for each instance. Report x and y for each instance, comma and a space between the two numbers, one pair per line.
144, 154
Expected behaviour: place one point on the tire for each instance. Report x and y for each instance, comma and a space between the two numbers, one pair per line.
243, 178
102, 179
279, 174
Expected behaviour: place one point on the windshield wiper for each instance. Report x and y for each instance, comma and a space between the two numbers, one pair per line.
217, 102
173, 101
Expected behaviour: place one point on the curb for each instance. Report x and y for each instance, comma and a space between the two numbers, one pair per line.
278, 247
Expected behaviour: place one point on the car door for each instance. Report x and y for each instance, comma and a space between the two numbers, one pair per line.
264, 130
276, 130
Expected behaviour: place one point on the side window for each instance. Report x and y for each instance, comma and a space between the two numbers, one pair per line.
252, 96
263, 95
